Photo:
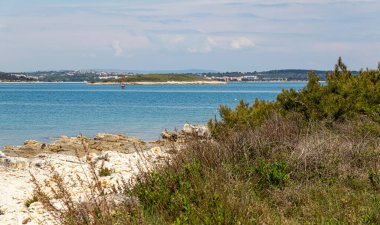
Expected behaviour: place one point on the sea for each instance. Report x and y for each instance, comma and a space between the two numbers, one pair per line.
45, 111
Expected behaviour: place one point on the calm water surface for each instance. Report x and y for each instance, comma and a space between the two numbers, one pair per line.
46, 111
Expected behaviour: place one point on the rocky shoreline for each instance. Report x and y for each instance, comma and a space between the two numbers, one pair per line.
67, 156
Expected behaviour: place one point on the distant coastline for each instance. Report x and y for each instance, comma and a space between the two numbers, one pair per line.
150, 83
42, 82
132, 78
160, 83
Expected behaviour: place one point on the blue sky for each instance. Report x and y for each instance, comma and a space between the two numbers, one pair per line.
225, 35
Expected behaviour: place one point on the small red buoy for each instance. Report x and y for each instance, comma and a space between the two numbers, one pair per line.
122, 82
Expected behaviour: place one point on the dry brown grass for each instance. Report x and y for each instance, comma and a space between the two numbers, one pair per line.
328, 165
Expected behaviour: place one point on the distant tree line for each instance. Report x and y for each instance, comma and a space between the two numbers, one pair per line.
10, 77
291, 74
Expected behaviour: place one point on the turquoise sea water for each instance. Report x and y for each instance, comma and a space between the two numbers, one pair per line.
46, 111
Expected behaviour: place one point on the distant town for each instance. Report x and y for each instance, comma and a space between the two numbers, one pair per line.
100, 76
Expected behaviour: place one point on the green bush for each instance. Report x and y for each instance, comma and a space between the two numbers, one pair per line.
181, 197
344, 95
172, 192
273, 174
243, 116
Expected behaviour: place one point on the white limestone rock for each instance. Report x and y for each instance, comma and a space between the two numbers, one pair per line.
198, 130
16, 172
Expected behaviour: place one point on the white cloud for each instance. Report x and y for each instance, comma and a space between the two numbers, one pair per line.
118, 50
139, 29
203, 45
241, 43
211, 43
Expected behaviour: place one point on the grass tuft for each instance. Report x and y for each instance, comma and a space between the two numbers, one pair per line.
31, 200
104, 172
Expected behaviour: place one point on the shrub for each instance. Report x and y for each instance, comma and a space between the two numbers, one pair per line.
343, 96
273, 174
182, 196
243, 116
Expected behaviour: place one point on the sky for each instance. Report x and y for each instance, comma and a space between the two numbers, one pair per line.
223, 35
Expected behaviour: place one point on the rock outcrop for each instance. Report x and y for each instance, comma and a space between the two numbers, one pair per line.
197, 130
188, 130
79, 145
169, 135
16, 188
70, 157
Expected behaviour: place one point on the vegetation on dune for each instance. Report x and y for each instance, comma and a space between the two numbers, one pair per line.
310, 157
